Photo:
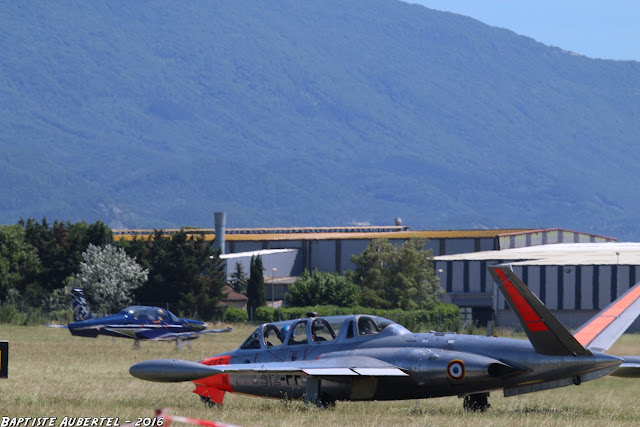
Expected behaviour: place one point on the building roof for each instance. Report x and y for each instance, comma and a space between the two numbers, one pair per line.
230, 295
558, 254
366, 235
280, 280
328, 233
262, 252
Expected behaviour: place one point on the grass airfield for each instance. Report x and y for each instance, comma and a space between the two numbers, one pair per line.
52, 374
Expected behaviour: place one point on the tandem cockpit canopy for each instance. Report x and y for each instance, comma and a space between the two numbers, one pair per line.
139, 312
320, 330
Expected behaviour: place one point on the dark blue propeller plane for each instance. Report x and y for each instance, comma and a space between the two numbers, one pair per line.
361, 357
137, 322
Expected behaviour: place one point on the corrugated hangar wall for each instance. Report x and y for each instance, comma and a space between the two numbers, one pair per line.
573, 292
335, 254
547, 237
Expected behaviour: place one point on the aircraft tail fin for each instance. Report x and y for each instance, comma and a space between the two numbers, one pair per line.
602, 330
546, 333
80, 306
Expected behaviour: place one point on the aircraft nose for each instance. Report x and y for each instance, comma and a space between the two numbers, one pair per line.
198, 326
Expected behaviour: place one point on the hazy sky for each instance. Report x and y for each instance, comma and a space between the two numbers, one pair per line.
594, 28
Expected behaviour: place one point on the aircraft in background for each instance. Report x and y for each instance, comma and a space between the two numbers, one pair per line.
361, 357
137, 322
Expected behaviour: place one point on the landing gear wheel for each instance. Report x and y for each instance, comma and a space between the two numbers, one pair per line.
208, 402
478, 402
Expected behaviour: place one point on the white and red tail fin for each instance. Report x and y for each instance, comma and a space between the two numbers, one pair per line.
546, 333
602, 330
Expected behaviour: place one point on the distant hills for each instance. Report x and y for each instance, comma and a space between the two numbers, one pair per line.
294, 113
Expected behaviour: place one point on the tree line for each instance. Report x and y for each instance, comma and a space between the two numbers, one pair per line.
40, 262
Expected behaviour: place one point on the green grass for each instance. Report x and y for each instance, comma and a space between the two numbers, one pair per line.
53, 374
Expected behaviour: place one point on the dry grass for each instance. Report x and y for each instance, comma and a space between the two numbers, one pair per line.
54, 374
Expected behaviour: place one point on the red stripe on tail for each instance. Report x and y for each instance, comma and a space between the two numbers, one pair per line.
530, 317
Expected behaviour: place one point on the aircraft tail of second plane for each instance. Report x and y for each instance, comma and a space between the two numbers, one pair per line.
546, 333
80, 307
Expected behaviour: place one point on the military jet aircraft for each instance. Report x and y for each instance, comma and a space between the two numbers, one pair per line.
362, 357
137, 322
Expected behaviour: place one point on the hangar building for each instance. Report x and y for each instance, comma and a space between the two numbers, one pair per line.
574, 280
575, 274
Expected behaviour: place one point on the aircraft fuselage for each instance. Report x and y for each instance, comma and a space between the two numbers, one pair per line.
123, 325
436, 364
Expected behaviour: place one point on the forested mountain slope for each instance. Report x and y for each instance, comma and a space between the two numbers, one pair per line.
296, 113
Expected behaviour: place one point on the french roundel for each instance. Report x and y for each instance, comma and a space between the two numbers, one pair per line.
455, 369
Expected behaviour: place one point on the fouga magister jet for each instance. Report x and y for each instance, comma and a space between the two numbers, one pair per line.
360, 357
137, 322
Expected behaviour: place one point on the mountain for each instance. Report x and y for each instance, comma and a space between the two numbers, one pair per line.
155, 114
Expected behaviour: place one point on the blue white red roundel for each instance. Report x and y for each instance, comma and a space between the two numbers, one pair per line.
455, 369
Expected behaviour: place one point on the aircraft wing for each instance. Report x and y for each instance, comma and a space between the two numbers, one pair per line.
216, 331
602, 330
173, 370
54, 325
188, 335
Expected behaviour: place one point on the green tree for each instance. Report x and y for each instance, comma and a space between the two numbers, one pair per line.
109, 277
99, 234
255, 286
239, 279
321, 288
184, 272
59, 247
396, 276
19, 263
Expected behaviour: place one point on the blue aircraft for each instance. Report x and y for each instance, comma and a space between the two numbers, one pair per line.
137, 322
